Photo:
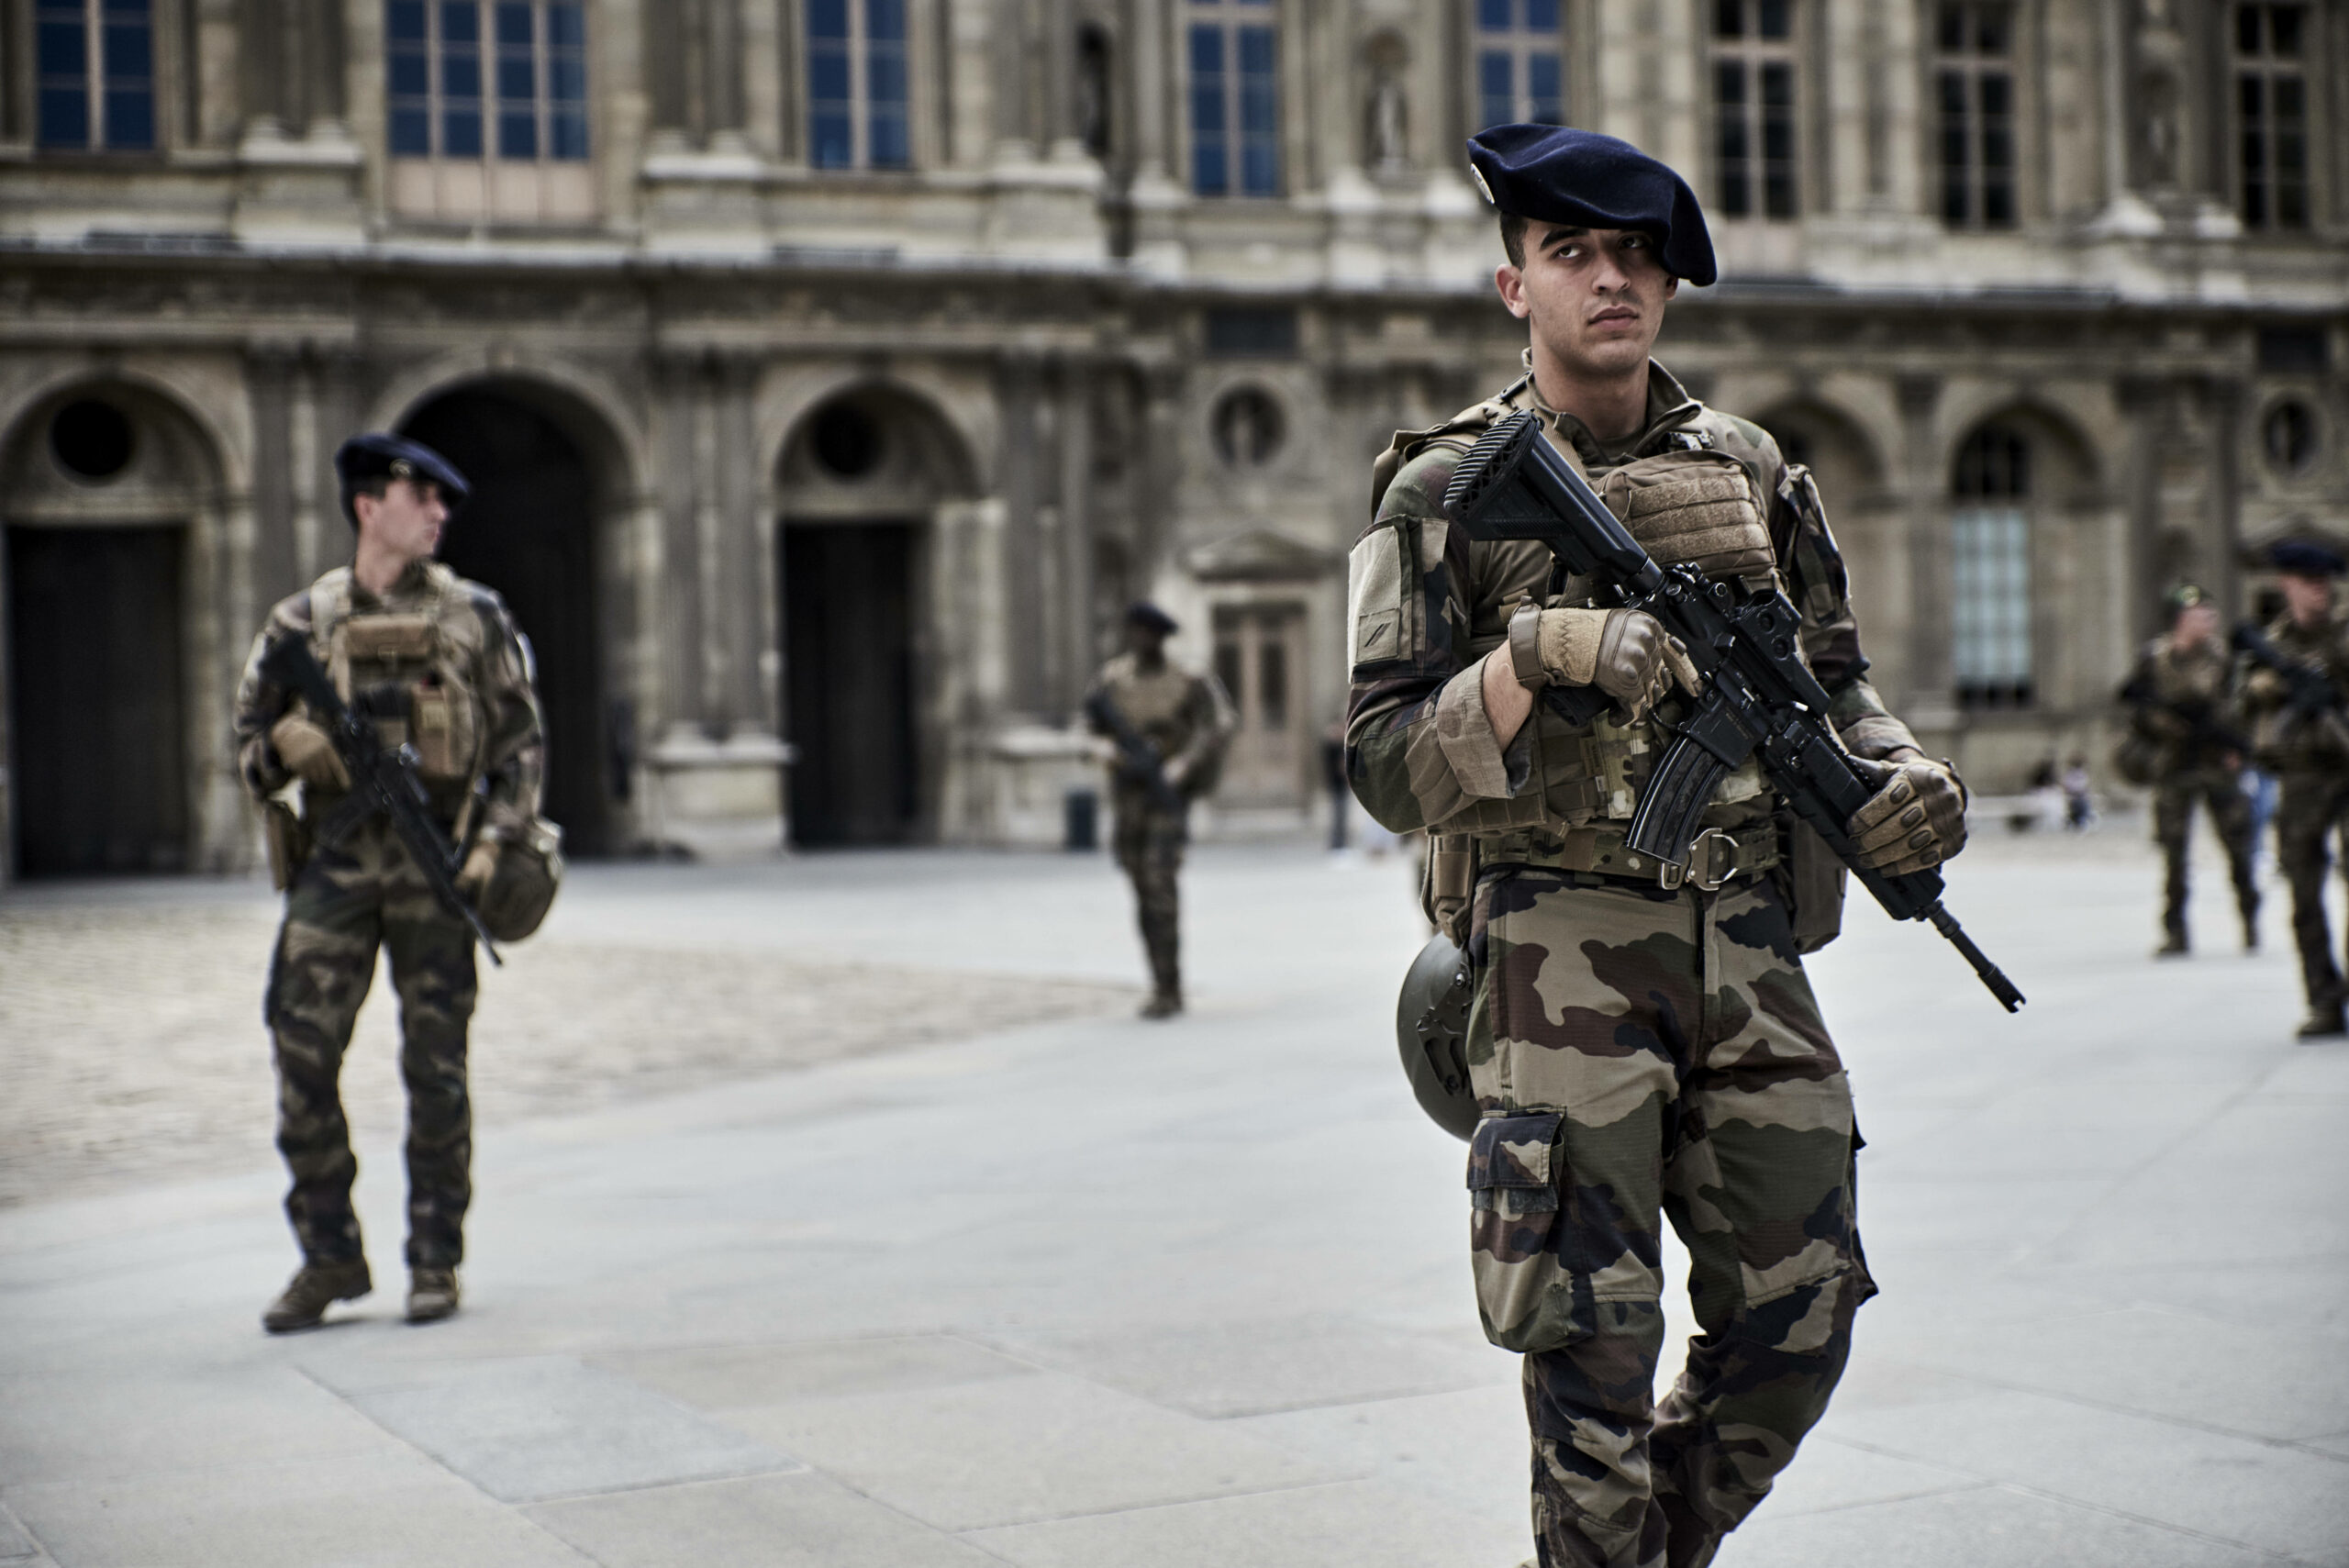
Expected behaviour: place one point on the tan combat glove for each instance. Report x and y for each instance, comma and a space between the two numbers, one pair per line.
305, 749
1625, 654
481, 865
1915, 820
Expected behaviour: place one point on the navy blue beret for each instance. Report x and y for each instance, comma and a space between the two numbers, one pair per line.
379, 455
1142, 612
1556, 174
2305, 560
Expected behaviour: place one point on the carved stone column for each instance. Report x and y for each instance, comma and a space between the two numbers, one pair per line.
1930, 704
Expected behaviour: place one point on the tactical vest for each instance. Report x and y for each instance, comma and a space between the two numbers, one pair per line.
410, 671
1693, 506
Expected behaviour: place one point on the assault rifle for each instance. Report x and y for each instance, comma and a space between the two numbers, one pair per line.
2205, 731
1757, 699
382, 779
2309, 691
1139, 762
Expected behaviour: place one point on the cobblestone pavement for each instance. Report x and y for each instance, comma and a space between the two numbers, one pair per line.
132, 1043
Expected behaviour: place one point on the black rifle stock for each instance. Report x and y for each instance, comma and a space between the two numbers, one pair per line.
1757, 698
382, 779
1137, 758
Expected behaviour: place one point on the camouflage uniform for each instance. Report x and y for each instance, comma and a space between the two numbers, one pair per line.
1639, 1053
2310, 761
1189, 719
2184, 702
362, 891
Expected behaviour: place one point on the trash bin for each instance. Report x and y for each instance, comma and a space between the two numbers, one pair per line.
1080, 818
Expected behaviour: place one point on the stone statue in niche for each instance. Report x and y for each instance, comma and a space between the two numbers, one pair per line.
1386, 114
2157, 131
1248, 428
1093, 91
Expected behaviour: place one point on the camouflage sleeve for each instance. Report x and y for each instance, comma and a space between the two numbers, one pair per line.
261, 702
1821, 589
513, 755
1419, 746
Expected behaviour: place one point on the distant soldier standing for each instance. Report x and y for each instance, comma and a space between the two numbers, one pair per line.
1642, 1046
2304, 744
1170, 728
2183, 715
439, 663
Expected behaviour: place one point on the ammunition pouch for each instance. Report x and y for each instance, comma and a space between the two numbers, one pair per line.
286, 839
1813, 881
1449, 884
523, 884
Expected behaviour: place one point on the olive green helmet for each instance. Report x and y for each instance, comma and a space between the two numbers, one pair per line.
1431, 1027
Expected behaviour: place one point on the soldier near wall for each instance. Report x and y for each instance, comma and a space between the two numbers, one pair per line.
1640, 1046
2186, 728
441, 664
2299, 736
1170, 728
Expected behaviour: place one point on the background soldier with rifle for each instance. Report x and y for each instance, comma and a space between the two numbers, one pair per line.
1642, 1040
404, 834
2299, 672
1170, 728
2185, 740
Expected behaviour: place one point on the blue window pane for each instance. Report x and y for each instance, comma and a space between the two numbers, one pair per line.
827, 77
517, 134
63, 48
130, 118
1493, 16
64, 117
885, 80
460, 75
460, 133
828, 18
409, 79
131, 56
1546, 100
830, 146
1260, 162
1261, 171
517, 80
514, 24
567, 81
404, 21
1256, 52
567, 134
1207, 51
1541, 16
884, 21
566, 26
411, 133
1211, 174
889, 141
126, 7
460, 21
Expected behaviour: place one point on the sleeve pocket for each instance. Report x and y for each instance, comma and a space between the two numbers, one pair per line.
1513, 1155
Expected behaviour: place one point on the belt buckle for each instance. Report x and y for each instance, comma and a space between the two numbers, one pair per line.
1712, 860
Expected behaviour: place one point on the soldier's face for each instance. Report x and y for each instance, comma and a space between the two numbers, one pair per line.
1593, 297
2197, 624
406, 520
1144, 642
2309, 599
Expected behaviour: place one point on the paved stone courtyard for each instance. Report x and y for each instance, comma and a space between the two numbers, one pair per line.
837, 1212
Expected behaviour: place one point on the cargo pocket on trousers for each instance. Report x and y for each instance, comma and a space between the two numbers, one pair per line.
1523, 1289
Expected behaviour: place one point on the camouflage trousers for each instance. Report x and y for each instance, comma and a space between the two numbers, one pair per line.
2220, 792
1643, 1054
2312, 812
1150, 848
352, 898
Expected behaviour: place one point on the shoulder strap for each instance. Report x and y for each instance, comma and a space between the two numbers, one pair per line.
1471, 422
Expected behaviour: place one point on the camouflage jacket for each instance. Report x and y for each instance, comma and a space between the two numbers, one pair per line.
2285, 741
1420, 752
493, 672
2185, 701
1187, 717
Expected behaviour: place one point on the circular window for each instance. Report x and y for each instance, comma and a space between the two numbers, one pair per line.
846, 440
92, 439
1248, 428
2289, 436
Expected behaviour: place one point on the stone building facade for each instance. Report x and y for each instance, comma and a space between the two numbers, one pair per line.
833, 369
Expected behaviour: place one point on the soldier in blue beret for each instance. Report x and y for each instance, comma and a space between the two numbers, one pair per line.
439, 664
2302, 737
1638, 1045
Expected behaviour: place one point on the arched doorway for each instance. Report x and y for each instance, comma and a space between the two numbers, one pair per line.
529, 532
103, 486
862, 477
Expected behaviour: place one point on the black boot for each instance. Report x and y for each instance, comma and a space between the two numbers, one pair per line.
315, 1287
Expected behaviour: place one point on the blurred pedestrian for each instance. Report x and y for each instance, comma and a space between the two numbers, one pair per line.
2079, 801
1171, 727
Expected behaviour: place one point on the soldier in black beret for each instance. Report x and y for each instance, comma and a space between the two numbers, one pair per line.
2301, 738
1638, 1045
1170, 728
441, 667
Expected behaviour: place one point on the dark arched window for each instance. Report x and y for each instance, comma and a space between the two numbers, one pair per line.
1990, 570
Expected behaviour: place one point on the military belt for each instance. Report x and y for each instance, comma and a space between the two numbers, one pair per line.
1718, 857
